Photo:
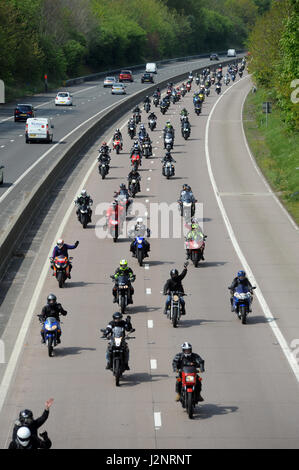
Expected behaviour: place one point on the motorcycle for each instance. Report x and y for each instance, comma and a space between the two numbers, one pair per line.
118, 347
195, 249
183, 91
188, 86
168, 170
84, 213
146, 149
240, 73
197, 80
226, 80
163, 108
186, 130
124, 201
218, 89
136, 160
133, 187
147, 107
188, 396
156, 101
137, 117
123, 290
132, 130
242, 300
187, 206
197, 107
174, 310
168, 141
117, 145
114, 228
61, 268
233, 77
103, 169
51, 328
152, 124
140, 249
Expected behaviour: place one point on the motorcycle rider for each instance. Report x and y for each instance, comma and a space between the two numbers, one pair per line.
174, 284
117, 135
26, 440
241, 278
140, 230
158, 92
123, 191
187, 189
131, 123
194, 234
168, 158
61, 249
152, 116
121, 271
134, 175
51, 309
185, 358
105, 148
84, 199
168, 128
142, 134
26, 419
148, 141
136, 148
115, 212
127, 326
147, 100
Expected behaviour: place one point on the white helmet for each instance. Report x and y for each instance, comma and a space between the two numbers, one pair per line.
139, 221
187, 349
23, 436
60, 242
84, 193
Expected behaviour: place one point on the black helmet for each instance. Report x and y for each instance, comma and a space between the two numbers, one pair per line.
51, 299
174, 273
122, 186
117, 316
26, 417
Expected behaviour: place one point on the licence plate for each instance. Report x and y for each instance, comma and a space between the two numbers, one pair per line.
23, 114
32, 135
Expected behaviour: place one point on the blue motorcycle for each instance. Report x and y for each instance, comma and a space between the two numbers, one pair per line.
242, 300
140, 249
51, 328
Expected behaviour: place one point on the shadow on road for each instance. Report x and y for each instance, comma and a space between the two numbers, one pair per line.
188, 323
71, 351
210, 410
211, 264
138, 378
258, 319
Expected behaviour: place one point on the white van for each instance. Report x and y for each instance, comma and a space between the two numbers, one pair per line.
38, 129
151, 67
231, 53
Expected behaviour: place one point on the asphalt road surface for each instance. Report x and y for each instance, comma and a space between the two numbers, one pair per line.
250, 385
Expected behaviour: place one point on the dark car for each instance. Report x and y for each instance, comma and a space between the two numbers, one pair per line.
147, 77
23, 112
214, 57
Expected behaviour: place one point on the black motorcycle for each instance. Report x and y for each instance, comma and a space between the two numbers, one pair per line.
103, 169
123, 286
133, 187
84, 214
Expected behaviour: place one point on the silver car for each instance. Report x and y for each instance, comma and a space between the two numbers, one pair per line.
118, 89
109, 81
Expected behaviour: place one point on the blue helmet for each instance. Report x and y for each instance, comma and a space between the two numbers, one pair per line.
241, 275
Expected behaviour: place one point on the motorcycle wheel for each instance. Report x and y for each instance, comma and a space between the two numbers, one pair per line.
123, 304
140, 257
175, 317
84, 220
189, 405
195, 259
117, 371
60, 278
243, 314
117, 150
50, 346
103, 175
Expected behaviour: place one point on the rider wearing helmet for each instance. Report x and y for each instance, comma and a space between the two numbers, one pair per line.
26, 419
134, 175
61, 249
184, 358
139, 230
127, 326
121, 271
84, 199
51, 309
168, 128
195, 234
174, 284
147, 100
117, 135
105, 148
24, 439
241, 278
136, 148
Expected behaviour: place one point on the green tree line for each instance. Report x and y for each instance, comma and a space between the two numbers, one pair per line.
274, 48
67, 38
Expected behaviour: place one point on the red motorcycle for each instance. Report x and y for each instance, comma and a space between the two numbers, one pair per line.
188, 86
136, 160
61, 268
189, 398
195, 249
114, 227
117, 145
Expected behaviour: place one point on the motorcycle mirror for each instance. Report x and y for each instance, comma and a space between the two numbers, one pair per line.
254, 287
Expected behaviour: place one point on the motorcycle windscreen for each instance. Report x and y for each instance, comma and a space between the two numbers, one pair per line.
118, 332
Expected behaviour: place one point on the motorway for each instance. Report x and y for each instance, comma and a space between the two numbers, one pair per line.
251, 381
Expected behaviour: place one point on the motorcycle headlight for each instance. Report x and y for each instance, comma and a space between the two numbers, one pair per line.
176, 298
190, 378
117, 342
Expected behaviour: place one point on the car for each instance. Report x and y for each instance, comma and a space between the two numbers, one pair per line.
151, 67
1, 174
118, 89
38, 129
231, 53
23, 112
63, 98
147, 77
125, 75
109, 81
214, 56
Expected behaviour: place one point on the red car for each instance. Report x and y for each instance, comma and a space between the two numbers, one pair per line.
125, 75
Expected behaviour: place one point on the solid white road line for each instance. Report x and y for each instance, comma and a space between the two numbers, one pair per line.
157, 419
278, 334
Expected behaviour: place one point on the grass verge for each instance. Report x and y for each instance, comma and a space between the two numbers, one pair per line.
275, 150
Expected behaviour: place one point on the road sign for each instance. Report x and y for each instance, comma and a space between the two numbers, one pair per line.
267, 107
